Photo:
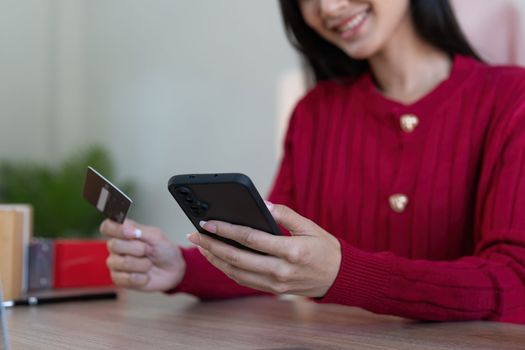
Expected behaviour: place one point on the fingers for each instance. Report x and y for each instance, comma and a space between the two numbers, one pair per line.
248, 237
125, 247
291, 220
128, 264
245, 278
240, 258
130, 230
129, 280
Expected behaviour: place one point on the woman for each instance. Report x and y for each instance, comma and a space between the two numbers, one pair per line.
404, 167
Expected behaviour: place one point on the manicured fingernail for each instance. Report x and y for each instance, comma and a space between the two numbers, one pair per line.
192, 237
269, 205
137, 233
208, 227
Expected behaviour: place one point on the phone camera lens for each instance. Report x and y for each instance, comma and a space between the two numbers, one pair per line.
198, 209
183, 191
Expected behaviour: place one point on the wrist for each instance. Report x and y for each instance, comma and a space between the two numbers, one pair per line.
179, 270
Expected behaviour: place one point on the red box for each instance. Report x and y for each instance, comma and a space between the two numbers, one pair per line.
80, 263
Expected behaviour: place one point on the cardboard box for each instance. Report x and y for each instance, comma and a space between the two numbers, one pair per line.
11, 253
27, 233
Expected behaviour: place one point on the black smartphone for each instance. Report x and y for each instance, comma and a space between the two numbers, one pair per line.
230, 197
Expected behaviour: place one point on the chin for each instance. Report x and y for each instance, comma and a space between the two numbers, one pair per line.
362, 49
361, 53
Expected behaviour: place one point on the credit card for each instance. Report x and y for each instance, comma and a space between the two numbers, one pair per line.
105, 196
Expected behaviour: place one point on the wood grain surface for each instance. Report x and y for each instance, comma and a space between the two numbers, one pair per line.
152, 321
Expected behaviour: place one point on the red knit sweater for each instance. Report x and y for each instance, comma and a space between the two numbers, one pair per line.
455, 250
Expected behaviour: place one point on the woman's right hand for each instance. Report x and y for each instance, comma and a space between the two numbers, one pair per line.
141, 257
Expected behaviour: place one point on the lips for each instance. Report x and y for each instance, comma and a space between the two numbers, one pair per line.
350, 24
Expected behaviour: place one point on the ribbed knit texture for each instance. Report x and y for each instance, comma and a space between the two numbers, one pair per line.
457, 251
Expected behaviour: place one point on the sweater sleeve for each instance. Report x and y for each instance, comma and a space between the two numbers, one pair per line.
490, 284
206, 282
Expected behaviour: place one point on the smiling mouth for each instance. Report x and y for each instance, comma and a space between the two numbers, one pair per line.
351, 24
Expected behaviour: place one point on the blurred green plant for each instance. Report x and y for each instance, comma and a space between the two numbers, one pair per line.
56, 193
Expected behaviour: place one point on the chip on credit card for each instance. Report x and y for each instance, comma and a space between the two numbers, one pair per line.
105, 196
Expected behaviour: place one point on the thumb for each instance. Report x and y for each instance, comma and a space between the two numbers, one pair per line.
134, 230
289, 219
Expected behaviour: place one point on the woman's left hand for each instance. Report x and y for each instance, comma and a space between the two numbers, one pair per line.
305, 263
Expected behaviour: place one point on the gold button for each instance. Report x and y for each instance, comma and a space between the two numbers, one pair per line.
398, 202
409, 122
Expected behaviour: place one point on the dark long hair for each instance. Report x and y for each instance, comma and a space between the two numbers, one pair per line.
434, 21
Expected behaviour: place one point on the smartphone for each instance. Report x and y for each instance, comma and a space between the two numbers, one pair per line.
229, 197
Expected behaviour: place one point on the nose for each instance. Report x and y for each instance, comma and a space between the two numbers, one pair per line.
333, 8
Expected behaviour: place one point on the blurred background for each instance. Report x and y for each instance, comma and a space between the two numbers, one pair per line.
168, 87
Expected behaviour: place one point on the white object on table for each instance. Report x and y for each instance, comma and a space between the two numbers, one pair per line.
4, 341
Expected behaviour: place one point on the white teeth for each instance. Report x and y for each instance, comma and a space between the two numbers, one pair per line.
355, 22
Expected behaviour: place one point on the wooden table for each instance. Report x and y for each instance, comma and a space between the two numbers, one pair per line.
148, 321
